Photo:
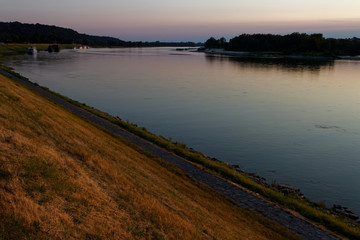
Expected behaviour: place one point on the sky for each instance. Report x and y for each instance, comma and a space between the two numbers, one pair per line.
189, 20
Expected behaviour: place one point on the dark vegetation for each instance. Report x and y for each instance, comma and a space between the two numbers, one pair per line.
295, 43
16, 32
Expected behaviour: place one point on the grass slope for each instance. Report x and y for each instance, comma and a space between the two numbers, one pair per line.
64, 178
315, 211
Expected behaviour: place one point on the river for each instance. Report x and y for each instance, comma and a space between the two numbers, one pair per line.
292, 121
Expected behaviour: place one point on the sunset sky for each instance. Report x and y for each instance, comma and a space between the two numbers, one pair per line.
189, 20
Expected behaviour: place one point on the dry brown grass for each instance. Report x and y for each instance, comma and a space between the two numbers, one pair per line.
64, 178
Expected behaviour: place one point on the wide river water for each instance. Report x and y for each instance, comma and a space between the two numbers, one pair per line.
295, 122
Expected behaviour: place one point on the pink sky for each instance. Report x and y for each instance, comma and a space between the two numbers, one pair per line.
187, 20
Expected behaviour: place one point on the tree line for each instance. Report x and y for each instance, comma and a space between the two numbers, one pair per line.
295, 43
16, 32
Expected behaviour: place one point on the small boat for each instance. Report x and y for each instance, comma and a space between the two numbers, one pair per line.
31, 50
81, 47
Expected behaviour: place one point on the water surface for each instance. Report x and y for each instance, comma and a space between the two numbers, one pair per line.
294, 122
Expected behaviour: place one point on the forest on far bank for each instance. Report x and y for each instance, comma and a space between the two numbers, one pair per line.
294, 43
16, 32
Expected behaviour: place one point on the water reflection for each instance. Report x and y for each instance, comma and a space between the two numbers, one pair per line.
32, 56
296, 65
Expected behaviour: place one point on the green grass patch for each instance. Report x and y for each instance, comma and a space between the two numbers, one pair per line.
18, 48
38, 167
44, 177
8, 97
13, 98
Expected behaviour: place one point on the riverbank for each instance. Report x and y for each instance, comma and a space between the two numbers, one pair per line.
218, 167
17, 48
256, 55
64, 177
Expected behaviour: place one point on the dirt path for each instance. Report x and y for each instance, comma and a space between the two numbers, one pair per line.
241, 197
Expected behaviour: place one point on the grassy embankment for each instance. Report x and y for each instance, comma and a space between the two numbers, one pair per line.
316, 212
17, 48
62, 177
313, 211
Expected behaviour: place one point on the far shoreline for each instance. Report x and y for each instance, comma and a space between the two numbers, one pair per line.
256, 55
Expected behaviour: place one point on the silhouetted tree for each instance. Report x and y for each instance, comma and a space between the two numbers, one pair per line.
15, 32
293, 43
213, 43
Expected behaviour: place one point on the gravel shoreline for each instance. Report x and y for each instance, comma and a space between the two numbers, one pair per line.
243, 198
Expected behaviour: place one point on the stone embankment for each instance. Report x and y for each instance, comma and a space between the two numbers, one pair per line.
242, 197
